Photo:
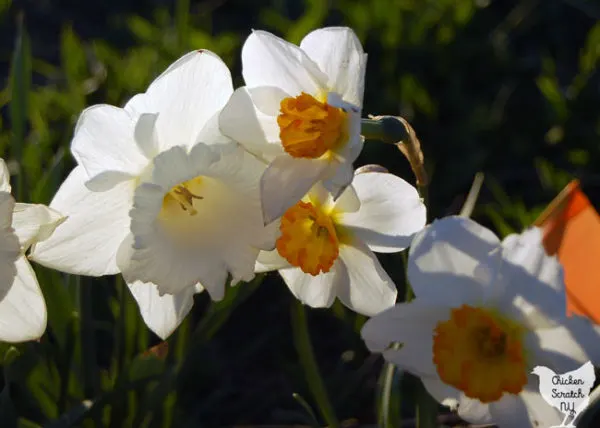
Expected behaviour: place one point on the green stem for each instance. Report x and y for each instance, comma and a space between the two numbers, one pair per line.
88, 348
387, 381
387, 129
427, 409
309, 364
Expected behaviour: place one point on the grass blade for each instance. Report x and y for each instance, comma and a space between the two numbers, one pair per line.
20, 86
311, 370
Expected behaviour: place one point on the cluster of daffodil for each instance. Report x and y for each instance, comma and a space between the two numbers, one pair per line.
193, 185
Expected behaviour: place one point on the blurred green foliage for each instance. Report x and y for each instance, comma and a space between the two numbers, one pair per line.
510, 88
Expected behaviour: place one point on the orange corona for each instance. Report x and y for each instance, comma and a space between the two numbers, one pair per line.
308, 238
310, 128
481, 353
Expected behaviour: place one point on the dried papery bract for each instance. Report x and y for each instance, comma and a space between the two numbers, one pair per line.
398, 131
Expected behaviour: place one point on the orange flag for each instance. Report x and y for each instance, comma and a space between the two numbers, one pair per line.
571, 228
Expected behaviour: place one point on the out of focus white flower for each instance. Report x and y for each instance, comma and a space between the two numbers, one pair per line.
300, 110
325, 247
161, 196
485, 314
22, 306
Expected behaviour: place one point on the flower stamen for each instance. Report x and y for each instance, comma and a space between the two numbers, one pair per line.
185, 198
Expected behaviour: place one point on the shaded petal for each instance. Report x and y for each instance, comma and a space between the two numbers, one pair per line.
339, 54
34, 223
315, 291
534, 281
145, 134
211, 134
4, 177
107, 180
267, 99
268, 60
268, 261
391, 212
567, 347
456, 400
349, 201
22, 306
88, 240
10, 249
104, 141
242, 122
285, 182
338, 178
527, 410
176, 165
446, 258
411, 324
162, 314
366, 288
7, 206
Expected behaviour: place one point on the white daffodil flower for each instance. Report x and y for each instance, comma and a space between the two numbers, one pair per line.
301, 111
485, 314
161, 196
22, 306
325, 247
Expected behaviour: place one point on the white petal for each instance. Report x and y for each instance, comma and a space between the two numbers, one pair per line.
268, 60
22, 306
4, 177
87, 242
162, 314
390, 213
366, 288
186, 96
226, 233
340, 55
411, 324
34, 223
268, 261
535, 278
314, 291
241, 121
445, 260
104, 141
285, 182
155, 258
567, 347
